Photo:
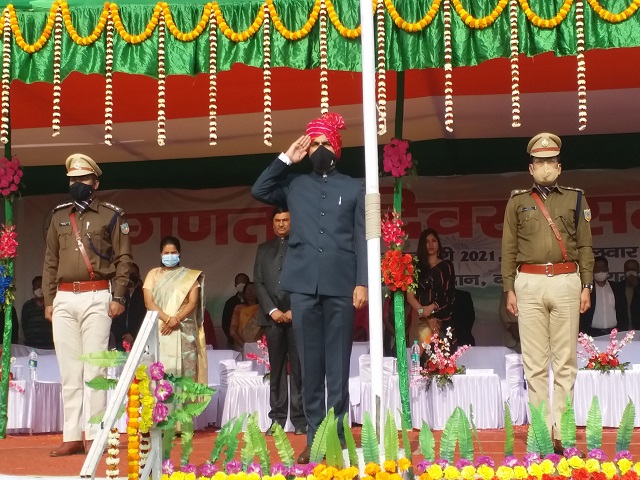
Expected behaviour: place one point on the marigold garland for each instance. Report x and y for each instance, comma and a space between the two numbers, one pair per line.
614, 17
483, 22
193, 34
135, 39
344, 31
112, 460
93, 36
298, 34
133, 424
409, 26
546, 22
146, 399
233, 35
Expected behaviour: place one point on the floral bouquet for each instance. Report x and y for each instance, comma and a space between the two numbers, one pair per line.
398, 269
10, 176
396, 159
607, 360
264, 358
441, 363
8, 245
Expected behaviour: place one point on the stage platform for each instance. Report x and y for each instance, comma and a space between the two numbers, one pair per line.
28, 455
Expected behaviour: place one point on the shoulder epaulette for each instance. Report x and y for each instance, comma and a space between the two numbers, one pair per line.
118, 210
62, 205
519, 192
573, 188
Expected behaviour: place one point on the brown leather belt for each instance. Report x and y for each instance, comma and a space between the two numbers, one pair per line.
81, 287
549, 269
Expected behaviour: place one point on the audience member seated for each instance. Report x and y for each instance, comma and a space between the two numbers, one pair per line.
36, 329
241, 280
627, 293
244, 321
361, 325
509, 321
463, 318
125, 327
600, 319
388, 319
14, 324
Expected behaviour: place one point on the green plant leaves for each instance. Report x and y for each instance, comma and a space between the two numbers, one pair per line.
625, 430
350, 441
406, 444
259, 443
232, 439
508, 430
186, 441
334, 450
369, 440
390, 438
102, 383
568, 425
465, 439
541, 441
319, 445
450, 436
246, 452
594, 425
283, 445
219, 443
111, 358
427, 443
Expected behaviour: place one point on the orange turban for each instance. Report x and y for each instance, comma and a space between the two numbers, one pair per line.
328, 125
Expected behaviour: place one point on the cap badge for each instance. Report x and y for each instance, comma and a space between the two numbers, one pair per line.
77, 165
545, 143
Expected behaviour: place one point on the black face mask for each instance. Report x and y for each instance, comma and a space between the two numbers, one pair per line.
80, 191
323, 159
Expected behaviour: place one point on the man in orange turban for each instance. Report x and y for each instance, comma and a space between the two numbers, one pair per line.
325, 269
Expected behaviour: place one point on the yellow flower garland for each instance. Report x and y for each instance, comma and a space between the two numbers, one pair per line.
614, 17
483, 22
546, 22
133, 424
146, 399
409, 26
163, 7
298, 34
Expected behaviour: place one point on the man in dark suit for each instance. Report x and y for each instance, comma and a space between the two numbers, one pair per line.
125, 327
326, 265
230, 305
600, 319
463, 318
627, 293
275, 317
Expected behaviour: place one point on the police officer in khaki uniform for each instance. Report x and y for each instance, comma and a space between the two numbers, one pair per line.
547, 274
85, 279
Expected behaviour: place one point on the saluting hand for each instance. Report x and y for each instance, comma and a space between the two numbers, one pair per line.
298, 149
585, 300
360, 296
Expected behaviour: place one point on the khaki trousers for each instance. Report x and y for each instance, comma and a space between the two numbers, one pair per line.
548, 319
81, 324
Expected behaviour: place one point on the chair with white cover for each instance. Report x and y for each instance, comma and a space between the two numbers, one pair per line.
482, 358
210, 414
254, 349
357, 350
388, 369
227, 367
517, 397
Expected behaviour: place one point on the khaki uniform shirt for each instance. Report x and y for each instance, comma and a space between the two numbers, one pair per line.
528, 238
104, 234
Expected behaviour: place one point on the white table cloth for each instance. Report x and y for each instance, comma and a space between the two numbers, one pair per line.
488, 357
613, 389
18, 408
37, 410
210, 414
388, 369
435, 405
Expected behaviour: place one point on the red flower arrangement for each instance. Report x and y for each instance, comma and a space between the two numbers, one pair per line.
10, 176
607, 360
392, 234
441, 363
8, 242
396, 160
398, 272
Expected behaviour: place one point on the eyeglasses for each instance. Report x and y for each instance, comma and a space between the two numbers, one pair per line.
542, 161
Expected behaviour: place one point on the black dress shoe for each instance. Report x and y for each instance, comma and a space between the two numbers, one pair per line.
303, 458
300, 430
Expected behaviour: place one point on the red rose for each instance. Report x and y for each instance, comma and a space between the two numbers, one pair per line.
603, 358
630, 475
431, 366
598, 476
590, 365
450, 370
614, 362
580, 474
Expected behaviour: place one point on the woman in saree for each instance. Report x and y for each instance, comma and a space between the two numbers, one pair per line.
244, 321
175, 292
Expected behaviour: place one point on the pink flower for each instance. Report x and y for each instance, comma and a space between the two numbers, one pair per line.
126, 346
156, 370
16, 178
163, 390
13, 187
8, 243
396, 160
160, 412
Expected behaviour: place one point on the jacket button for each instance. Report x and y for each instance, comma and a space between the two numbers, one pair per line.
324, 196
320, 250
321, 232
322, 214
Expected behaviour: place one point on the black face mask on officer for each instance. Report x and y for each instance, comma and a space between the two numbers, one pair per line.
80, 191
323, 159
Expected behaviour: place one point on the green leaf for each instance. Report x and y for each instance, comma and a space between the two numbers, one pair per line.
96, 419
449, 437
186, 440
594, 425
390, 438
102, 383
406, 444
465, 437
246, 453
259, 443
232, 439
283, 445
540, 430
625, 430
369, 440
167, 442
220, 441
568, 425
334, 450
319, 445
427, 443
350, 441
474, 430
508, 430
111, 358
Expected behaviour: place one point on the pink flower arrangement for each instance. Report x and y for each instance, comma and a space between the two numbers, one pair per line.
396, 159
160, 412
10, 176
441, 363
264, 359
392, 233
607, 360
8, 242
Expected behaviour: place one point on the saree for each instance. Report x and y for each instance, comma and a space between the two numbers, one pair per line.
183, 351
248, 326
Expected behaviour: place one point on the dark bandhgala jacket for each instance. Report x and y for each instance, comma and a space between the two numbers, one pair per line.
266, 277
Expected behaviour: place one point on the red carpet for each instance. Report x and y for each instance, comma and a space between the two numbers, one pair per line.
29, 454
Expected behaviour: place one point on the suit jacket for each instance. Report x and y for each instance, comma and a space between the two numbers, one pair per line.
586, 318
463, 318
131, 319
266, 277
620, 292
327, 247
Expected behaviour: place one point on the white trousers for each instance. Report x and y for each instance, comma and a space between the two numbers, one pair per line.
81, 325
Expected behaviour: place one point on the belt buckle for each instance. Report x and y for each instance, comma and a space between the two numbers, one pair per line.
76, 287
547, 272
